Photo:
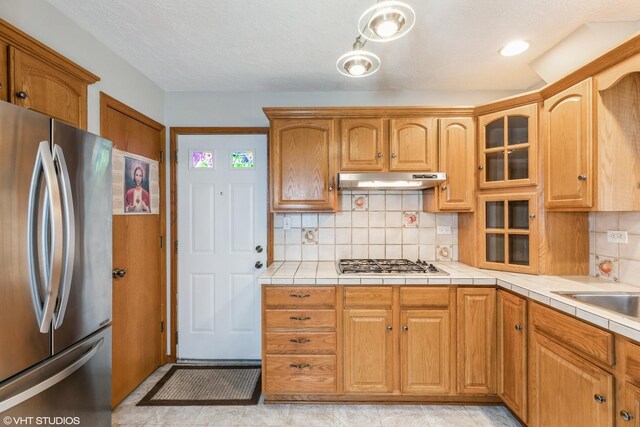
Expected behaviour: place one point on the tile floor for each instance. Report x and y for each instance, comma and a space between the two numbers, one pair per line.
304, 415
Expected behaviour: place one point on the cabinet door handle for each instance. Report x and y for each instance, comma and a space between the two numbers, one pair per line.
300, 318
599, 398
379, 155
582, 177
300, 340
22, 95
299, 295
480, 167
389, 328
532, 216
394, 155
443, 188
627, 416
405, 328
518, 328
300, 366
330, 188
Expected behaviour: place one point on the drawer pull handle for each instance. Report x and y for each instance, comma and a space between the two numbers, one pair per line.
300, 340
599, 398
626, 415
300, 366
299, 295
301, 318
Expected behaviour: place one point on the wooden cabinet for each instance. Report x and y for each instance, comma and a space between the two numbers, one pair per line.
512, 352
35, 77
566, 389
299, 340
410, 145
413, 144
303, 165
363, 146
629, 406
476, 349
508, 148
456, 149
568, 147
508, 237
368, 351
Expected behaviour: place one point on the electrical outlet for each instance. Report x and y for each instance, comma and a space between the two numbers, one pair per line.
444, 229
286, 223
617, 237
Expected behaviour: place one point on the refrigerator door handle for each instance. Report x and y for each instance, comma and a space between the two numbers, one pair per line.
54, 379
69, 237
44, 309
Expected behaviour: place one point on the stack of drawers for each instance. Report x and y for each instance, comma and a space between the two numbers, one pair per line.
300, 339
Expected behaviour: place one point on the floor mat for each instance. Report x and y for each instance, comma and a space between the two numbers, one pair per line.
206, 385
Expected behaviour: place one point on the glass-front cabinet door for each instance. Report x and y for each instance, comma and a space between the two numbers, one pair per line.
509, 236
508, 147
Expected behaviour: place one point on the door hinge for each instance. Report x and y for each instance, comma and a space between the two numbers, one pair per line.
161, 156
176, 246
161, 242
162, 326
175, 158
176, 337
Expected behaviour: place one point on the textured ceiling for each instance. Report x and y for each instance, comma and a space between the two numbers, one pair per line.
292, 45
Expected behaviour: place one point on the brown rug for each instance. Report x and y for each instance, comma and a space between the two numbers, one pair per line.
206, 385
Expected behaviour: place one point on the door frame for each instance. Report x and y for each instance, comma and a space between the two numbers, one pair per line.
174, 133
107, 102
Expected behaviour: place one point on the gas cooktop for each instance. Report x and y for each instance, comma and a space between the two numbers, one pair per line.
387, 266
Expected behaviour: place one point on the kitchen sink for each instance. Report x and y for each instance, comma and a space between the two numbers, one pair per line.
625, 303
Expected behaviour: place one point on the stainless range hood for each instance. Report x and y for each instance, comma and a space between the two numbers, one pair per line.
390, 181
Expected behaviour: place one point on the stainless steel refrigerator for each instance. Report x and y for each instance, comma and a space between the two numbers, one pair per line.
55, 272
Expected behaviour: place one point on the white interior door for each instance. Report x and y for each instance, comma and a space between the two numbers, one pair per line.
222, 219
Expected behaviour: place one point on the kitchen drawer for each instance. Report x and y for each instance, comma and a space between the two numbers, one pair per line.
300, 343
299, 296
300, 374
368, 296
300, 319
632, 358
586, 339
424, 297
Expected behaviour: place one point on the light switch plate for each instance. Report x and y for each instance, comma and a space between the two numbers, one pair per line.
443, 229
617, 236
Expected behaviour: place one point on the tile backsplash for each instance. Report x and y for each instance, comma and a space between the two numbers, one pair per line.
369, 224
615, 261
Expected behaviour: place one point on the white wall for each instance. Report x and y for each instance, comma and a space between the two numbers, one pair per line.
118, 78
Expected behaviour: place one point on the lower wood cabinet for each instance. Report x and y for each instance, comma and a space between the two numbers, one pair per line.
368, 351
566, 389
629, 406
512, 352
476, 351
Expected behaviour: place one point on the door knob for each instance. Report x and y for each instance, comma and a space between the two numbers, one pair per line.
599, 398
379, 155
259, 249
394, 155
118, 273
405, 328
22, 95
389, 328
582, 177
443, 188
518, 328
258, 264
627, 416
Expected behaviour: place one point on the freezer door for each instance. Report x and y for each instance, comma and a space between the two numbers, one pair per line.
21, 343
72, 388
84, 303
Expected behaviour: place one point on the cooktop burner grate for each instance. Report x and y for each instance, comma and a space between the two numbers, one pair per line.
386, 266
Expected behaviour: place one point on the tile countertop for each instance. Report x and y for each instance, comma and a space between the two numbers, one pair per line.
539, 288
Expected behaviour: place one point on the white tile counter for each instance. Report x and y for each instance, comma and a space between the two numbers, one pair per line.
539, 288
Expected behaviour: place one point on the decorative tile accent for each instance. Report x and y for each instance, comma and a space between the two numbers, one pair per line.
606, 268
309, 236
410, 219
444, 252
360, 202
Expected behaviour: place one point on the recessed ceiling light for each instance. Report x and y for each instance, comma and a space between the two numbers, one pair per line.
386, 21
513, 48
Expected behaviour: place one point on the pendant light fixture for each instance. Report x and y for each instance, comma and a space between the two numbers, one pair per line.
386, 21
358, 62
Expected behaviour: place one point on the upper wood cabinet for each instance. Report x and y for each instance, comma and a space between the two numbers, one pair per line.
413, 144
568, 148
476, 349
35, 77
363, 145
303, 165
512, 352
456, 149
508, 147
410, 145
